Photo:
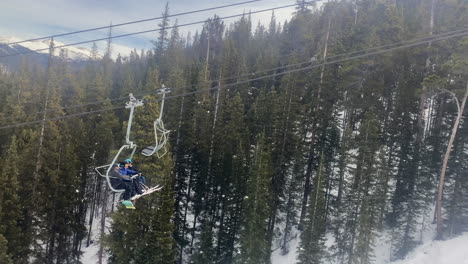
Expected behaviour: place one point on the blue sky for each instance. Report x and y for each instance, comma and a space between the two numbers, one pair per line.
36, 18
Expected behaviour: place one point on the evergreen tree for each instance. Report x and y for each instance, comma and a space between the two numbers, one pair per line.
254, 244
10, 203
161, 44
353, 148
311, 248
204, 251
4, 258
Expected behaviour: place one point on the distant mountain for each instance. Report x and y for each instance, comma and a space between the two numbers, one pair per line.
75, 54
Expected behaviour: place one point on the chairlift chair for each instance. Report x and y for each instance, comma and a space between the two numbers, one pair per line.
129, 145
160, 132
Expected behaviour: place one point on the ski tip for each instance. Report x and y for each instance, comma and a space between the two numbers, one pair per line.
128, 205
157, 188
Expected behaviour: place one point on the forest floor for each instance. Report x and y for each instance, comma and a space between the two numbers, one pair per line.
90, 254
453, 251
430, 252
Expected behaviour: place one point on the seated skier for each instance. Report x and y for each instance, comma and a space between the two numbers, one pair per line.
133, 175
131, 170
120, 181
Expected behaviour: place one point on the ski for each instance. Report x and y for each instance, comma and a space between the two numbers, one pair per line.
149, 191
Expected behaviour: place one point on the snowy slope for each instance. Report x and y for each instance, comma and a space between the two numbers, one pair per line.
74, 53
290, 258
454, 251
90, 254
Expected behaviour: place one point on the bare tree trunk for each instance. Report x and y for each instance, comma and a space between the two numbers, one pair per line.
344, 143
325, 52
179, 126
213, 190
98, 197
207, 60
423, 98
213, 128
353, 238
431, 22
356, 11
103, 225
444, 166
421, 132
187, 202
288, 223
317, 192
44, 117
91, 214
196, 213
52, 226
206, 94
113, 202
109, 43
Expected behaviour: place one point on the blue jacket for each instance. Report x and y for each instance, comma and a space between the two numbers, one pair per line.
127, 171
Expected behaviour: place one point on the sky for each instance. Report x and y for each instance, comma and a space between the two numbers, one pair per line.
26, 19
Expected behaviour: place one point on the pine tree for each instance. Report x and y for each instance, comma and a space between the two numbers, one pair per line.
229, 157
204, 251
10, 203
254, 244
4, 258
49, 175
354, 147
161, 44
311, 248
365, 213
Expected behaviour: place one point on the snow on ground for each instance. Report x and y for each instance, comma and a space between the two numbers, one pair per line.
454, 251
382, 247
290, 258
90, 253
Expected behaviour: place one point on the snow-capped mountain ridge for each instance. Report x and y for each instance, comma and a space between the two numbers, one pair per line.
74, 53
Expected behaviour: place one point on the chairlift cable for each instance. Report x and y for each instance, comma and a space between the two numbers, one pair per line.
427, 39
151, 30
132, 22
328, 62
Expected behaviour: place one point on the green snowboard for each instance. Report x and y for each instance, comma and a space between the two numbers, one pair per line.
128, 204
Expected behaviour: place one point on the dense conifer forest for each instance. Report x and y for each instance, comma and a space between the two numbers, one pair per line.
263, 149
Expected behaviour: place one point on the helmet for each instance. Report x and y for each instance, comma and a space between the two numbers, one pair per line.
128, 161
116, 165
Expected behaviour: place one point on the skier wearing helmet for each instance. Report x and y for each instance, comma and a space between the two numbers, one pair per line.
131, 171
120, 181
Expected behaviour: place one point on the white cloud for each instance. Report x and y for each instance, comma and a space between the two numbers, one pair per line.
33, 18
